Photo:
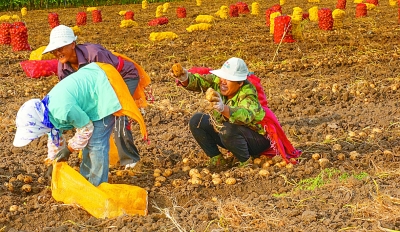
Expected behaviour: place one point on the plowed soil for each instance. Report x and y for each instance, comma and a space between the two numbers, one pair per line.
336, 93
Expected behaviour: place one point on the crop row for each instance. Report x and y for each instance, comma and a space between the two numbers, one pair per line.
9, 5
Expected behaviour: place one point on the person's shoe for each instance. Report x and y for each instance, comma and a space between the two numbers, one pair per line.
130, 166
218, 160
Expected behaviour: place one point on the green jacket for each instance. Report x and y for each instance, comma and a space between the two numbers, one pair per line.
245, 108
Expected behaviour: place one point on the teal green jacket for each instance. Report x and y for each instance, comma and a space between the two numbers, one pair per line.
244, 108
84, 96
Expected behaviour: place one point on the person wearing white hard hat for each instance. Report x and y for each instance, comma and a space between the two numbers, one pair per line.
236, 114
73, 56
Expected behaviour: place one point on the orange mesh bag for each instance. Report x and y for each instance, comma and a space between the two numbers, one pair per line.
70, 187
139, 95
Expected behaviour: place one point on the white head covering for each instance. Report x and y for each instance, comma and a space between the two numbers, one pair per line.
60, 36
234, 69
30, 123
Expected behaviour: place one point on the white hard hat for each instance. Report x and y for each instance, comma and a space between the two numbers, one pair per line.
234, 69
60, 36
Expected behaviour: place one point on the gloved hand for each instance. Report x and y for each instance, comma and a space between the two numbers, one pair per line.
178, 72
215, 99
63, 154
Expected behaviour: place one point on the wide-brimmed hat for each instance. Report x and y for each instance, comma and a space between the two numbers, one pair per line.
29, 123
234, 69
60, 36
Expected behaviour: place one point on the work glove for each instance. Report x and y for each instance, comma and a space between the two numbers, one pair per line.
63, 155
178, 72
215, 99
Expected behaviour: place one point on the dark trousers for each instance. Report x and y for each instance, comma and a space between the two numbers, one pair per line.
242, 141
127, 151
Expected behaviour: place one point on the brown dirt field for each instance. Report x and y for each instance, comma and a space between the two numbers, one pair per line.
335, 92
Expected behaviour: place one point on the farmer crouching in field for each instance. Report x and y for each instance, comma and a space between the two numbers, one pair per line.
247, 127
88, 100
73, 56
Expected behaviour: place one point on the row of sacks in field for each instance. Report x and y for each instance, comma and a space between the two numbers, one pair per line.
287, 28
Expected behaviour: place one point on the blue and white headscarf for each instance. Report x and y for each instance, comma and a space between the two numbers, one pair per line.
30, 122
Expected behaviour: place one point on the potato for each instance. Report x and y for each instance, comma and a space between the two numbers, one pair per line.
177, 69
26, 188
212, 95
230, 181
216, 181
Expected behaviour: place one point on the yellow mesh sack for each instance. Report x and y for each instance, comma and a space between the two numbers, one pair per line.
158, 36
198, 2
70, 187
297, 14
358, 1
90, 9
5, 18
393, 2
282, 2
159, 11
313, 1
144, 4
313, 14
272, 23
204, 19
24, 11
255, 8
223, 12
128, 23
338, 15
165, 7
76, 30
199, 27
37, 54
370, 6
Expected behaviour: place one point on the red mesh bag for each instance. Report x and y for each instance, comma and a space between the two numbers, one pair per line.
375, 2
243, 8
233, 11
398, 20
39, 68
283, 29
158, 21
19, 37
5, 37
53, 20
129, 15
341, 4
306, 16
96, 16
81, 18
200, 70
181, 12
325, 19
361, 10
268, 12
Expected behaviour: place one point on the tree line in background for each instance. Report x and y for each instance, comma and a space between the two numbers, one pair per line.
10, 5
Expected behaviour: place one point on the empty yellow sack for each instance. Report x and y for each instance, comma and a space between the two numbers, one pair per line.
105, 201
313, 14
199, 27
37, 54
144, 4
204, 19
158, 36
